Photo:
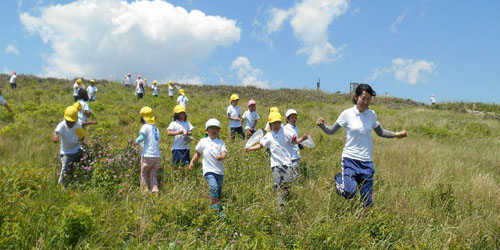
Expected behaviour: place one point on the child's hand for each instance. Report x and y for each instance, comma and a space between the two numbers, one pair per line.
247, 149
191, 166
321, 121
219, 158
304, 137
401, 134
180, 132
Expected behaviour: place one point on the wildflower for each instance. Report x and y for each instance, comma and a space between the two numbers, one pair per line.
233, 241
282, 233
198, 230
236, 234
178, 242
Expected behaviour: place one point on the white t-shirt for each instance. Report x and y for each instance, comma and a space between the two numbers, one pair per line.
250, 119
13, 79
91, 90
152, 141
211, 148
276, 142
155, 89
182, 100
234, 112
359, 144
268, 127
290, 132
76, 88
2, 102
85, 107
179, 139
127, 80
138, 88
69, 139
170, 91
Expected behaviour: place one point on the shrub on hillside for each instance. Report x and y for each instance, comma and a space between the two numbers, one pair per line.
76, 223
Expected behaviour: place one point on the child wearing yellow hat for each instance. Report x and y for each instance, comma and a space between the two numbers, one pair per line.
181, 129
92, 90
182, 98
281, 162
76, 87
69, 132
233, 114
155, 88
150, 158
170, 90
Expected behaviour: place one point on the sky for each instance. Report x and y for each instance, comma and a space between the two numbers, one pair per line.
409, 49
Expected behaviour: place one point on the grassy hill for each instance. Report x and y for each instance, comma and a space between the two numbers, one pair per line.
438, 188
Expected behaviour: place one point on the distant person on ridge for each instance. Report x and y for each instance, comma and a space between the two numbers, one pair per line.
181, 130
214, 152
139, 88
76, 87
3, 103
150, 158
12, 80
128, 82
433, 100
155, 88
251, 117
69, 132
170, 90
233, 114
182, 98
357, 162
92, 90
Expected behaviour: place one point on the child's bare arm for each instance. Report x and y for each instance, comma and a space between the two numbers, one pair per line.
253, 148
55, 137
222, 156
193, 161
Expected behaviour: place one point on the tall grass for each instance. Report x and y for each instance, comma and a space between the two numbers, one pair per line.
435, 189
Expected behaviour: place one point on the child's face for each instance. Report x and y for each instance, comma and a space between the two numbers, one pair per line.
292, 119
182, 116
213, 132
234, 103
276, 126
70, 124
252, 108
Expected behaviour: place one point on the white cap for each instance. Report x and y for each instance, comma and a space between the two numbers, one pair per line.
212, 123
290, 112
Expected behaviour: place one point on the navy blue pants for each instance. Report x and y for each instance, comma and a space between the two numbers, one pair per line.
356, 173
238, 130
180, 155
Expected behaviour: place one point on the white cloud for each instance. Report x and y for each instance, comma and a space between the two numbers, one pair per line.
247, 74
11, 49
309, 20
154, 38
406, 70
395, 24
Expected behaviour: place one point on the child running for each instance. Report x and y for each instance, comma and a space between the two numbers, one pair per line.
92, 90
281, 162
357, 161
251, 117
292, 138
83, 108
139, 88
76, 87
233, 114
69, 132
150, 158
181, 129
182, 98
170, 90
214, 152
155, 88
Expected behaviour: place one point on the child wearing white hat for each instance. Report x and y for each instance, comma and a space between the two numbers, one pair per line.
214, 152
293, 140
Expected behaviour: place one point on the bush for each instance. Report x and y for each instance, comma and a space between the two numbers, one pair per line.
76, 224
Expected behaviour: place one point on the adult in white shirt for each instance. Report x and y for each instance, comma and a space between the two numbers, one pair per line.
357, 162
3, 102
12, 80
92, 90
214, 152
76, 87
182, 98
233, 114
293, 140
69, 132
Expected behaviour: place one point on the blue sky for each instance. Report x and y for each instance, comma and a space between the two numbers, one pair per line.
410, 49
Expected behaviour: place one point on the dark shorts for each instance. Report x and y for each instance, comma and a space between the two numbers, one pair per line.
140, 95
180, 156
75, 97
13, 85
238, 130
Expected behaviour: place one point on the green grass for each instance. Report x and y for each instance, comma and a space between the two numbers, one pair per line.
438, 188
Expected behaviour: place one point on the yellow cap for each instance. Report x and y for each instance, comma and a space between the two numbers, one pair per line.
179, 109
80, 132
274, 109
77, 105
145, 80
234, 97
274, 117
147, 114
155, 82
79, 81
181, 91
170, 83
92, 81
71, 114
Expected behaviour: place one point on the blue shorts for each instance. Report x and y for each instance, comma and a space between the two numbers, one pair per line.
180, 155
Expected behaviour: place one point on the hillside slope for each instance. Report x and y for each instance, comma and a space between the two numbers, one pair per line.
437, 188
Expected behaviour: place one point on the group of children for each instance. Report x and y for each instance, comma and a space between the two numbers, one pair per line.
140, 86
283, 142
